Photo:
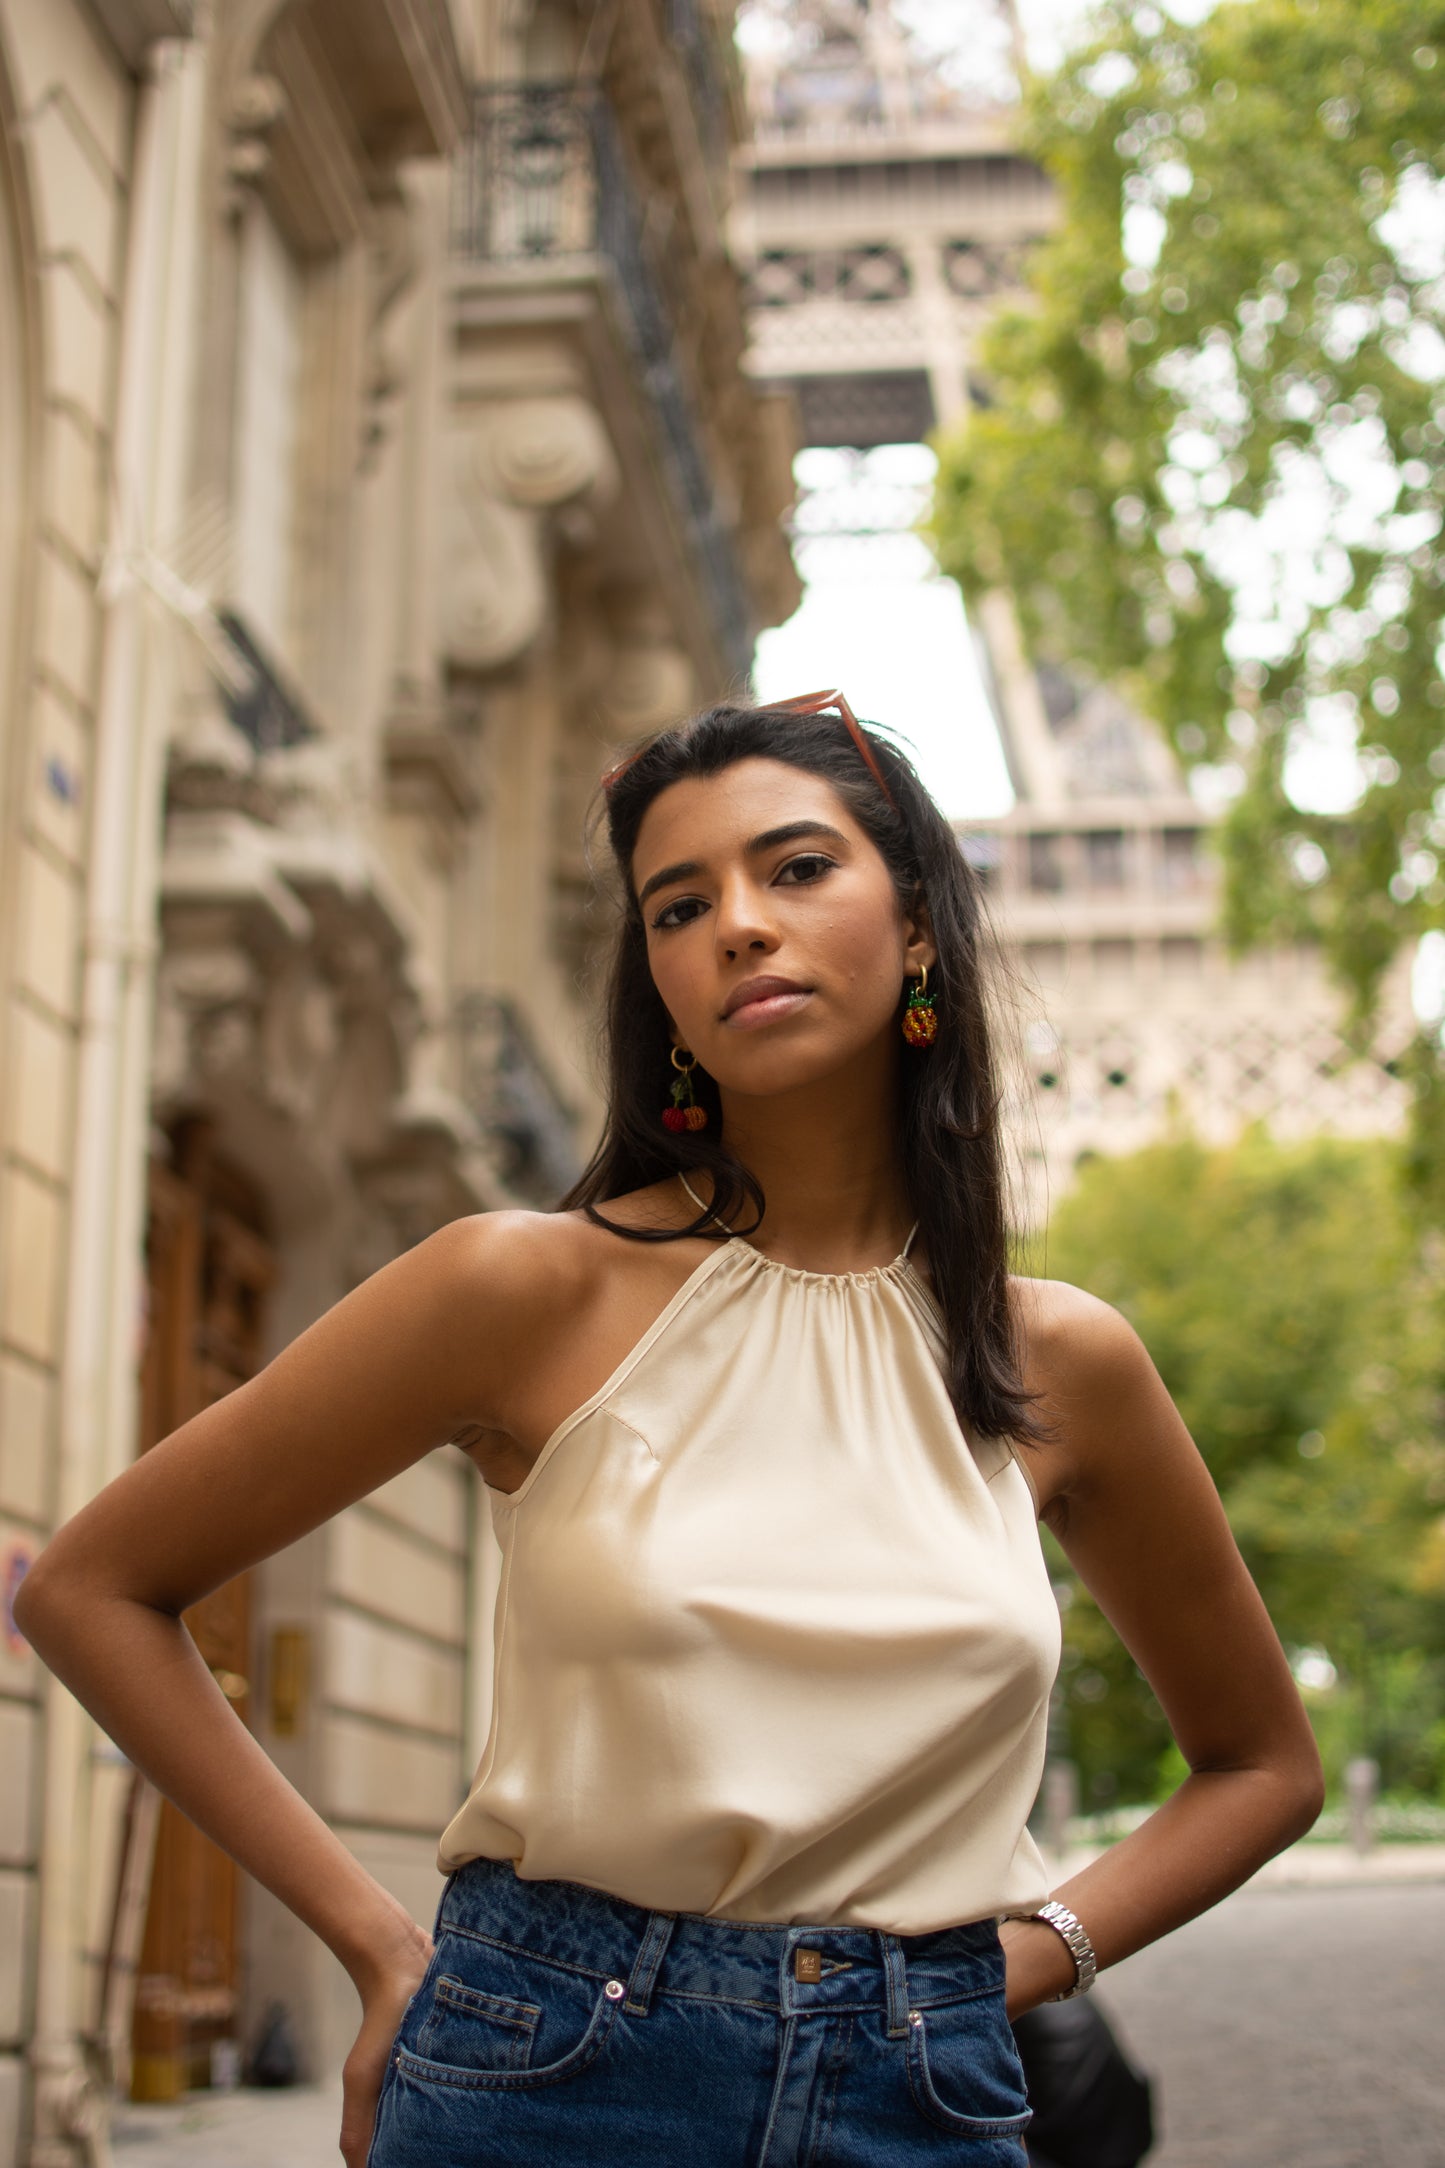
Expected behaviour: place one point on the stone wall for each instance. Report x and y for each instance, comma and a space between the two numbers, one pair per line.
66, 104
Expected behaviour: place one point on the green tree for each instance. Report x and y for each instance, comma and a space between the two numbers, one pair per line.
1284, 1297
1240, 309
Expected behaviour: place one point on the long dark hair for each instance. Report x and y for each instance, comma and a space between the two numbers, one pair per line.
949, 1114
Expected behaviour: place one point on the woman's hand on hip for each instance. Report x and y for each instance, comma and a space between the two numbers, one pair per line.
385, 1989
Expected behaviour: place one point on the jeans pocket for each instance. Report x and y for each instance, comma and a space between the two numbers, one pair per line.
964, 2071
473, 2030
499, 2020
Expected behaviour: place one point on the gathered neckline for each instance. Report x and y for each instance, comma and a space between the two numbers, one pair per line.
895, 1269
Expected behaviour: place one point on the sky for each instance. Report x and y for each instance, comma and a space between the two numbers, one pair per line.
881, 624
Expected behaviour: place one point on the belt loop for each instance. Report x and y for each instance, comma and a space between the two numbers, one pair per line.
895, 1972
651, 1951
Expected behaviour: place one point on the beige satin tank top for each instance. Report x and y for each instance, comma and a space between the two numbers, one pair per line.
774, 1640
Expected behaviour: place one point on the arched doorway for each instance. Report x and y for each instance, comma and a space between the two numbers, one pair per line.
209, 1266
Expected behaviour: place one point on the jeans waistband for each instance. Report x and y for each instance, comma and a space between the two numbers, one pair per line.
688, 1954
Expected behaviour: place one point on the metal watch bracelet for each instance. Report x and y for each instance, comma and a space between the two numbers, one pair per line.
1067, 1924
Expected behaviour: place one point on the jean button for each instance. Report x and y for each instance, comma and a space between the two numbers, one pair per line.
614, 1991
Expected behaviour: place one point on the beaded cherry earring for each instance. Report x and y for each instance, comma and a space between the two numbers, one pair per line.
684, 1113
920, 1018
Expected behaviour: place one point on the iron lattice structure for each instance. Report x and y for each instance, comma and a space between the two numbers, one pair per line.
850, 68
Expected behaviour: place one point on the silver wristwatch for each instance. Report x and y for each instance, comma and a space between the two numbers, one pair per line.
1081, 1949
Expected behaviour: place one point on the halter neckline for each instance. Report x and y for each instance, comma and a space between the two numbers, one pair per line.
799, 1271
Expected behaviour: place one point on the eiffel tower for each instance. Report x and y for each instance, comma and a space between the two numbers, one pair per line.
881, 205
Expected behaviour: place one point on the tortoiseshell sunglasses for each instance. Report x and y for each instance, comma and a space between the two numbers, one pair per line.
801, 704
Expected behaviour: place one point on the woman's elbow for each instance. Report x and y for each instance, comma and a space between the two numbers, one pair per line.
32, 1602
49, 1596
1301, 1784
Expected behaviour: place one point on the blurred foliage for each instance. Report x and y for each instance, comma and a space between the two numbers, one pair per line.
1146, 417
1295, 1313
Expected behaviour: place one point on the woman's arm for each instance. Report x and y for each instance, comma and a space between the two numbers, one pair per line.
389, 1373
1130, 1500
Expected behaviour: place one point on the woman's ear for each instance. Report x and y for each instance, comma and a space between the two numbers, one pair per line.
919, 947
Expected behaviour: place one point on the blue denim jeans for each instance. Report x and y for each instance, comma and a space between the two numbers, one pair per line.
558, 2025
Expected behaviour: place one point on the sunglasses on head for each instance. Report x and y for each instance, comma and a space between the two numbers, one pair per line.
801, 704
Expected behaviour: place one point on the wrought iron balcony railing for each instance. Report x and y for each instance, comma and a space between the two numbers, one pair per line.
543, 181
694, 38
263, 707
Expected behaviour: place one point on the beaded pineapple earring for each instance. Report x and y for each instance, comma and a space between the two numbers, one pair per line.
920, 1017
684, 1113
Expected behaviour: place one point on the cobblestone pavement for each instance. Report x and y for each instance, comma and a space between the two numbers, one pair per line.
1297, 2026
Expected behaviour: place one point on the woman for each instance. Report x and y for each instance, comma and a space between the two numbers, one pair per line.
767, 1425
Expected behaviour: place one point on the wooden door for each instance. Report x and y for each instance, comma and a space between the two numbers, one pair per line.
208, 1268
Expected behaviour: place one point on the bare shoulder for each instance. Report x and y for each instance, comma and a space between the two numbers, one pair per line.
550, 1301
519, 1260
1070, 1338
1097, 1390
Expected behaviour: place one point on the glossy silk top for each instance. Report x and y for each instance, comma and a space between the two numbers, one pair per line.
774, 1640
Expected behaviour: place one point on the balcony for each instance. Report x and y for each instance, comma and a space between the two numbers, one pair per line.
543, 198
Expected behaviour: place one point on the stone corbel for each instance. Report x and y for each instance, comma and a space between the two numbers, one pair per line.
650, 682
230, 926
513, 470
430, 767
256, 105
319, 849
431, 1166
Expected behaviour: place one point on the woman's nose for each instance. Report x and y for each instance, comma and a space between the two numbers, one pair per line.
743, 921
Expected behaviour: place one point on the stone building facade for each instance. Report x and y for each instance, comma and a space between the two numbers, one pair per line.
375, 456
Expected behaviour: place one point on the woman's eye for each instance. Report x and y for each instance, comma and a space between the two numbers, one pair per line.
678, 913
810, 867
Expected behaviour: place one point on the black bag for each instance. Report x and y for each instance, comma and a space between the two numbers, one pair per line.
1093, 2108
274, 2060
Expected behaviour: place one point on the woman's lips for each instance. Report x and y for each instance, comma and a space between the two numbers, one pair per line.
767, 1009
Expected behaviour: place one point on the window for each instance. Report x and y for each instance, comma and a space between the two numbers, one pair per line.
985, 854
1105, 847
1113, 959
1180, 868
1183, 956
1046, 867
1046, 960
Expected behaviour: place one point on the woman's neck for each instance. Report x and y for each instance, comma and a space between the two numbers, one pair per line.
831, 1174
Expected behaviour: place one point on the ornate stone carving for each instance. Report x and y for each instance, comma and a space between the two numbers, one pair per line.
650, 681
545, 451
509, 468
285, 996
256, 104
495, 598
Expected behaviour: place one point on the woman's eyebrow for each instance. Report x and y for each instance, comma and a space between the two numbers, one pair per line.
687, 868
682, 871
